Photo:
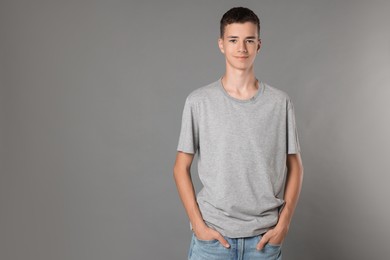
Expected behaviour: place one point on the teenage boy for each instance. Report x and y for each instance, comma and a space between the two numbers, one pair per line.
246, 138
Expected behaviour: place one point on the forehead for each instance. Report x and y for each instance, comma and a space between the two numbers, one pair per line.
241, 29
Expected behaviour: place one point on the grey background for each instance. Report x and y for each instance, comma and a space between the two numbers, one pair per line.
91, 99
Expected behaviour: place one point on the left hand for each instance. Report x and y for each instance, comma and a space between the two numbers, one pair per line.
274, 236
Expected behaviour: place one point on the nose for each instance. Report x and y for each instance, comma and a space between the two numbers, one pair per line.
242, 47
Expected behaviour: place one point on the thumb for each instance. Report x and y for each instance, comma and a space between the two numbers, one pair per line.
261, 244
223, 241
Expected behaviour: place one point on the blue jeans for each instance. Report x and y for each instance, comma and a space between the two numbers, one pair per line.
243, 248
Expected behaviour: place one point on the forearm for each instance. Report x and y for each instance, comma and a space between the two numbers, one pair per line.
187, 195
292, 190
291, 194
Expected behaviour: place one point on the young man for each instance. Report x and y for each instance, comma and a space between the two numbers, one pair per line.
248, 154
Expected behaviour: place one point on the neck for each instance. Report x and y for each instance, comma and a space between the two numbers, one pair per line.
240, 81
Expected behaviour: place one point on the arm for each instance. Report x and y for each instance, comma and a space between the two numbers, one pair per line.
292, 189
182, 176
291, 195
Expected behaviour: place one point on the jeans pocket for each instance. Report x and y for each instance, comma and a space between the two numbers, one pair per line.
274, 245
205, 241
270, 244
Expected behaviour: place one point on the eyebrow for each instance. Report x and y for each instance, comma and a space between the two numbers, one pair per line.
249, 37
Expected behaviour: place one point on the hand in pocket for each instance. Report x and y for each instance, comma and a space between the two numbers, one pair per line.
209, 234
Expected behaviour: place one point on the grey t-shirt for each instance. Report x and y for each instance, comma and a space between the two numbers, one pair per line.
242, 148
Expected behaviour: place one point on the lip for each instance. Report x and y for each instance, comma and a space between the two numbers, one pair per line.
242, 57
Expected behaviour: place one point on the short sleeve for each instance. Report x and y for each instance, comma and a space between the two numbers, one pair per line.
292, 132
189, 132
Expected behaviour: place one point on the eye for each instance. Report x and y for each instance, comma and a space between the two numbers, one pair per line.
250, 41
232, 40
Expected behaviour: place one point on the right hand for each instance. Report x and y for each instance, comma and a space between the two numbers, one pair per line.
207, 233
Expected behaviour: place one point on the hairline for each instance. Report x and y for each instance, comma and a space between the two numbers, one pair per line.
257, 27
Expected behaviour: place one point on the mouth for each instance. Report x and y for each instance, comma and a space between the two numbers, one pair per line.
241, 57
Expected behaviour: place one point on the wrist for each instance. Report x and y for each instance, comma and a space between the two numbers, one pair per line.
199, 225
285, 217
282, 226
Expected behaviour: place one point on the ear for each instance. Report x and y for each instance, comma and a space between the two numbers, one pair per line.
220, 45
259, 45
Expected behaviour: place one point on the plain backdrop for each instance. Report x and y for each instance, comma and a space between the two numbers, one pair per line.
91, 99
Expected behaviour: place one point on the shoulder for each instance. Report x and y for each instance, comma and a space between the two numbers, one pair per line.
276, 94
202, 93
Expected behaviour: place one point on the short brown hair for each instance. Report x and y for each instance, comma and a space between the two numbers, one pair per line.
239, 15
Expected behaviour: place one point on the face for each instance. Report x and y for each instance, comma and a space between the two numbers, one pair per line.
240, 45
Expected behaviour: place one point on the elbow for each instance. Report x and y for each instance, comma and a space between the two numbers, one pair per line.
179, 171
301, 171
175, 171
